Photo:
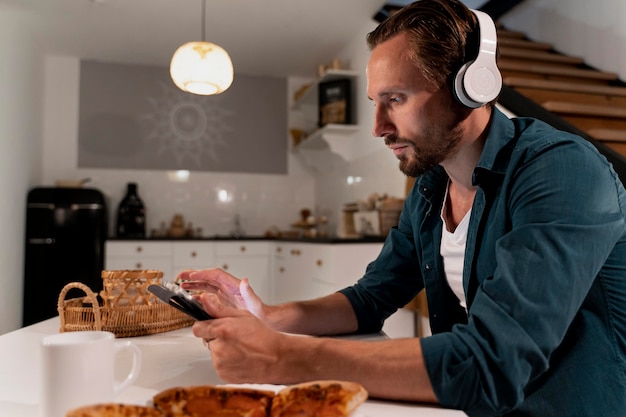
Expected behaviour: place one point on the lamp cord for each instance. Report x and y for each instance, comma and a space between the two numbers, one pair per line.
203, 20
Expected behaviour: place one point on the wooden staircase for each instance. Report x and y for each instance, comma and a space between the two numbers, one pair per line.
592, 101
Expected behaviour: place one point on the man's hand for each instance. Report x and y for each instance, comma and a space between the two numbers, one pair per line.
243, 348
232, 291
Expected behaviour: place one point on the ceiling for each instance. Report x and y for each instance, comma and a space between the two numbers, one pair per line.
263, 37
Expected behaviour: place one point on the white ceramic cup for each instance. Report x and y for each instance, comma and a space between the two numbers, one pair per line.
78, 369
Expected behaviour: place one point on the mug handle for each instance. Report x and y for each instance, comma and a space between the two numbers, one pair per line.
136, 367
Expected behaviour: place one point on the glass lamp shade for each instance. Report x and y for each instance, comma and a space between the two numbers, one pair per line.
201, 68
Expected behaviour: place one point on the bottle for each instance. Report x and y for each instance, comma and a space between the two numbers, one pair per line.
131, 215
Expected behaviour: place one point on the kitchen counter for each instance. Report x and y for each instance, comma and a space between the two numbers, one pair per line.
221, 238
175, 358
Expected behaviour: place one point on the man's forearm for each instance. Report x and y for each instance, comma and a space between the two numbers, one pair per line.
391, 369
329, 315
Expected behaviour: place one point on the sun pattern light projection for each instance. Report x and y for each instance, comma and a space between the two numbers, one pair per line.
187, 126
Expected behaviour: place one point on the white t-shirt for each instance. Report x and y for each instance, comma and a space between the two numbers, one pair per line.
453, 252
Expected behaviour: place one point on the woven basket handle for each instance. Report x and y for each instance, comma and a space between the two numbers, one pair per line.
90, 295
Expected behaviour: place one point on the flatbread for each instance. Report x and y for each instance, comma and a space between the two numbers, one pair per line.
213, 401
318, 399
114, 410
310, 399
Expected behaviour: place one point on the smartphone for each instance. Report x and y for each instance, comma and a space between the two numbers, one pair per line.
178, 298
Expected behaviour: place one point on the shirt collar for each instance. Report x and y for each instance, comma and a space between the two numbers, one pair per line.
500, 135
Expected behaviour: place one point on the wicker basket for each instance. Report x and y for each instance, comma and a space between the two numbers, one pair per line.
127, 309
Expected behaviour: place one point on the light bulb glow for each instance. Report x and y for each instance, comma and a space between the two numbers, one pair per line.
202, 68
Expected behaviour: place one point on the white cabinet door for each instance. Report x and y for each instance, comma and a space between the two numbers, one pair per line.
308, 270
138, 254
193, 255
336, 266
248, 259
288, 280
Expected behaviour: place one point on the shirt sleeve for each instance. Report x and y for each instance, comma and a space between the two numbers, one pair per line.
391, 281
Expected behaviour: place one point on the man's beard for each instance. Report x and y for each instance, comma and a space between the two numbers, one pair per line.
427, 151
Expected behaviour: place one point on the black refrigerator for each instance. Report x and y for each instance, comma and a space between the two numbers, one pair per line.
66, 229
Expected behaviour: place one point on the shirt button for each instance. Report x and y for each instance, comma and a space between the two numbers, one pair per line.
427, 267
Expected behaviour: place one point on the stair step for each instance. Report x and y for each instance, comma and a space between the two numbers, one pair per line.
593, 110
585, 98
508, 33
524, 43
564, 86
557, 70
608, 135
541, 95
539, 55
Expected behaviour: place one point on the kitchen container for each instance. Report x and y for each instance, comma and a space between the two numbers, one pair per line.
125, 308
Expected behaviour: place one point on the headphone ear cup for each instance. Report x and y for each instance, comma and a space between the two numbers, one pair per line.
478, 84
459, 88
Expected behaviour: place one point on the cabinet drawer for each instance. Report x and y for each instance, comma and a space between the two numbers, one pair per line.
138, 249
244, 247
189, 254
146, 262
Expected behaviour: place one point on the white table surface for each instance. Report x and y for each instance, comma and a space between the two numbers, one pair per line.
175, 358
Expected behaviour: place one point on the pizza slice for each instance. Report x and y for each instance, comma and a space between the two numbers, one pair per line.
310, 399
213, 401
318, 399
114, 410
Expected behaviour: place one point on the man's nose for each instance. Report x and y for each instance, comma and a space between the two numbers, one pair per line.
382, 125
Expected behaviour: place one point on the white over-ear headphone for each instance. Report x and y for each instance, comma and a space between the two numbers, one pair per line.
479, 81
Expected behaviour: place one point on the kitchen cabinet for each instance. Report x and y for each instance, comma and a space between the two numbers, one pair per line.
304, 271
248, 259
335, 137
279, 271
139, 254
289, 283
309, 270
193, 255
241, 258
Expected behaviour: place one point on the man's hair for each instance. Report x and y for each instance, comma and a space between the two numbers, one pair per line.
442, 36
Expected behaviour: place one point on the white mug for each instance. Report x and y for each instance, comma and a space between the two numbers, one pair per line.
78, 369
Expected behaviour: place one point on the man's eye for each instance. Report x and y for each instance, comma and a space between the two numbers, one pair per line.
394, 100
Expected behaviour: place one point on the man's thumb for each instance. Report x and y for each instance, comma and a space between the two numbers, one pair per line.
253, 302
212, 305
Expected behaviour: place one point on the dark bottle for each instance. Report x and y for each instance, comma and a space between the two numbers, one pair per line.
131, 215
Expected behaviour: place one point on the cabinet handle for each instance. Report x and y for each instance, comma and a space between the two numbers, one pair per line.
138, 265
279, 249
295, 252
194, 254
319, 262
139, 249
281, 269
225, 267
243, 248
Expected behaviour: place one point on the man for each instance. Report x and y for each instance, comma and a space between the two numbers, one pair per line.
516, 231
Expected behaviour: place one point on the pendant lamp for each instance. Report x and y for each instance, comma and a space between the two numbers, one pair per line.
202, 67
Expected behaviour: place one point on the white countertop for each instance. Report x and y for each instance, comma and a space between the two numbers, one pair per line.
170, 359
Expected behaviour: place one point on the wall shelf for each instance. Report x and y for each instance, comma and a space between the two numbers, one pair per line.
335, 138
309, 97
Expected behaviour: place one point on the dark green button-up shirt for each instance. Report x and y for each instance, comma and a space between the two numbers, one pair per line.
544, 276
